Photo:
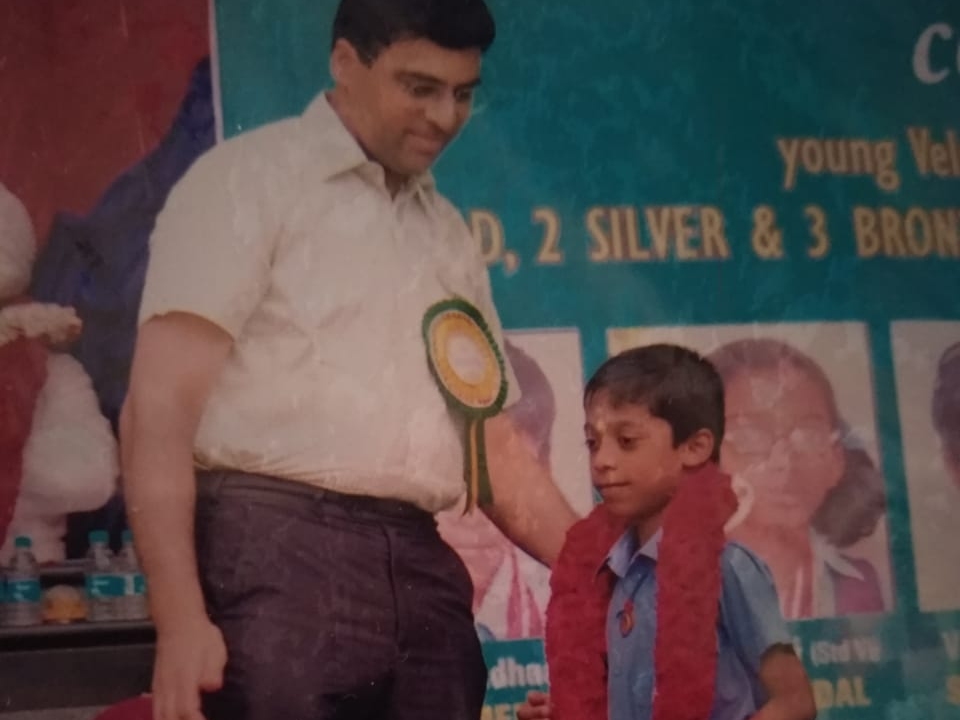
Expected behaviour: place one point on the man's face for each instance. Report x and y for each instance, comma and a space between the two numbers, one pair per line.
410, 102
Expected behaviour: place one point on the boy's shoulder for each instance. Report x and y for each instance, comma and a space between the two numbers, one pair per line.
736, 552
742, 566
750, 615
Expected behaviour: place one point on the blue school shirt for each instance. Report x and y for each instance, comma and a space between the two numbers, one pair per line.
749, 623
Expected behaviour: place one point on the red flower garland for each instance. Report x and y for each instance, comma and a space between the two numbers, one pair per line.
688, 592
575, 637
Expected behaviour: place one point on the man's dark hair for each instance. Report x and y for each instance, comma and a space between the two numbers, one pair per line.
674, 383
372, 25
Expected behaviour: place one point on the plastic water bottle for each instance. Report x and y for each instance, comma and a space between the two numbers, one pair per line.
22, 606
104, 585
133, 604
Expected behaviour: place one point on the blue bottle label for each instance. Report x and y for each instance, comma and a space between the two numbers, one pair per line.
134, 584
23, 591
104, 586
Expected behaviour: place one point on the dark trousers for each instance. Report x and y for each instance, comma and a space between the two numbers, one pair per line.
334, 606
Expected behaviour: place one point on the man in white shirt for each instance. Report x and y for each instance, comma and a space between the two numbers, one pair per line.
285, 439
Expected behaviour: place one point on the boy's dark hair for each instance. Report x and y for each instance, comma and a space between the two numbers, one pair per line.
372, 25
674, 383
852, 508
945, 406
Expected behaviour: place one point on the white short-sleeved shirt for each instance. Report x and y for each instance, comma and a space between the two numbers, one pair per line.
288, 239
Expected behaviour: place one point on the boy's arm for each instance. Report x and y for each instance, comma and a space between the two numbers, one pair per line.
787, 686
536, 707
750, 612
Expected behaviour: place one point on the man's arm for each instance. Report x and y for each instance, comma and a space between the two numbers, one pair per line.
177, 360
787, 685
527, 505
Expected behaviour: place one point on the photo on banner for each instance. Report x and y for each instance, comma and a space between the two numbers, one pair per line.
801, 447
511, 589
926, 357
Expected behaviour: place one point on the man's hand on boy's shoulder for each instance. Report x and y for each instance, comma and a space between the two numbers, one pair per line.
536, 706
787, 685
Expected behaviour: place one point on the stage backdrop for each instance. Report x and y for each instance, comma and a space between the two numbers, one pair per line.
754, 180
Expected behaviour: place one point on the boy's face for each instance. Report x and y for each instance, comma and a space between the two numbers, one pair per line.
410, 102
633, 462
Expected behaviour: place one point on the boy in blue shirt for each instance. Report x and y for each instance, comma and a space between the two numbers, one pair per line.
654, 424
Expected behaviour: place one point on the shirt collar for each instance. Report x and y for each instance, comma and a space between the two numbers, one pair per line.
625, 551
339, 152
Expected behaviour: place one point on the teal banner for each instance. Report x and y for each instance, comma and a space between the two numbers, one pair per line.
754, 180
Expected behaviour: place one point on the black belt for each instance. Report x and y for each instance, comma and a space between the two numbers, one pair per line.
212, 484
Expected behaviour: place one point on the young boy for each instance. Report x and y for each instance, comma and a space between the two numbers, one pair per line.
654, 424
